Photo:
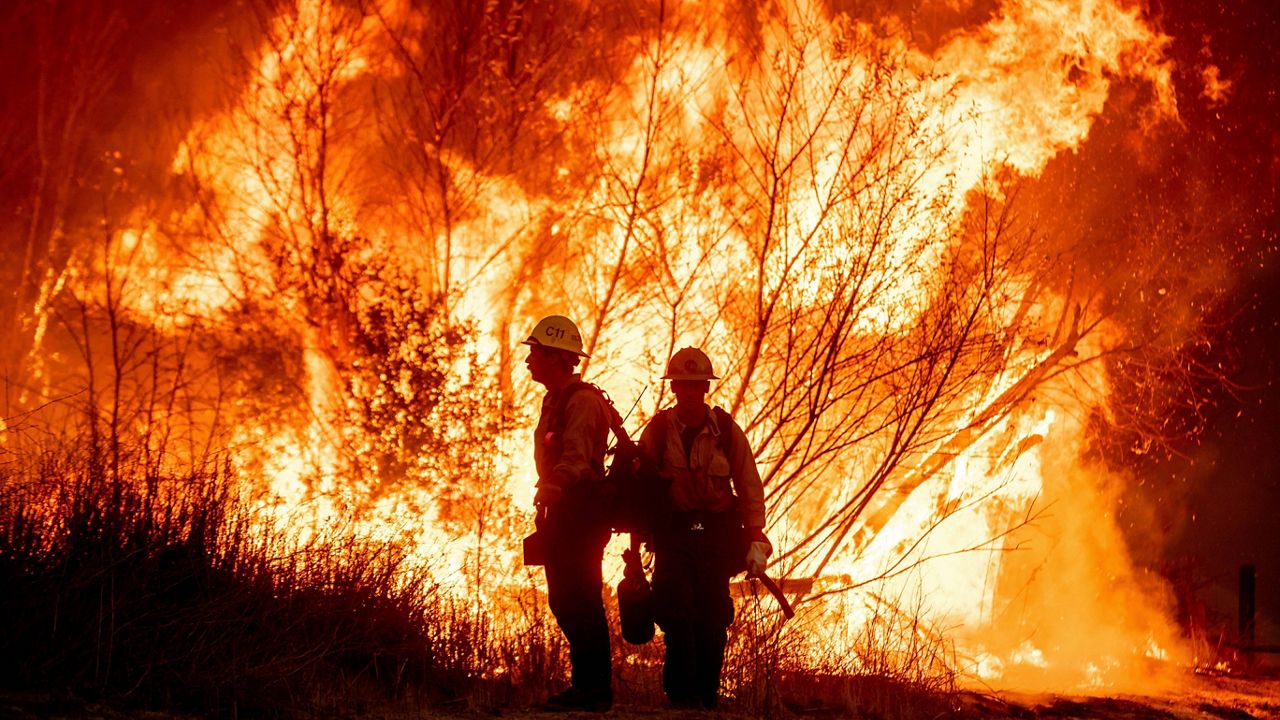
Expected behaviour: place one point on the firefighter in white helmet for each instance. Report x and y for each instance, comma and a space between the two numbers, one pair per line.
715, 529
569, 448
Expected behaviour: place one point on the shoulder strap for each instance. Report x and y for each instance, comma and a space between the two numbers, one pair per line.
659, 434
724, 422
720, 417
562, 403
615, 418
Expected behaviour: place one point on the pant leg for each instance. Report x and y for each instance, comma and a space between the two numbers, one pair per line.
574, 583
714, 605
708, 663
675, 612
678, 667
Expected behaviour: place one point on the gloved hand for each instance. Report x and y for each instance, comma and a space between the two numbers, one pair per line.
547, 496
757, 557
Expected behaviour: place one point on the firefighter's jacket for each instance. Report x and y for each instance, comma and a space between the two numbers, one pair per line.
571, 450
706, 479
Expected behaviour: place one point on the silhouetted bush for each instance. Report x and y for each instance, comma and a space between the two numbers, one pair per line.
176, 593
168, 592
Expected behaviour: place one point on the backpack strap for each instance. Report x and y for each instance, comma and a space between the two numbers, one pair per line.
723, 423
720, 417
615, 418
562, 404
659, 422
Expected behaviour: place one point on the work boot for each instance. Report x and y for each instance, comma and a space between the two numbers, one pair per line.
585, 699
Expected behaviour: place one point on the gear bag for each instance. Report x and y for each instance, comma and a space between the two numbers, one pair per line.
635, 598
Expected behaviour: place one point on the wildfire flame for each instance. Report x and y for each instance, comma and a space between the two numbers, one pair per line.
712, 165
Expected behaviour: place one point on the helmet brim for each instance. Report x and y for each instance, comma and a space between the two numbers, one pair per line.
534, 341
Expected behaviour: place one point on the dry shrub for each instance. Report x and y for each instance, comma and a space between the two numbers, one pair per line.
174, 592
893, 664
169, 592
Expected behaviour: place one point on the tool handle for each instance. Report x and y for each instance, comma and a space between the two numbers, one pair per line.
787, 611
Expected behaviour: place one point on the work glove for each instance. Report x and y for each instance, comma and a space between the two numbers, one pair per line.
758, 553
757, 558
547, 497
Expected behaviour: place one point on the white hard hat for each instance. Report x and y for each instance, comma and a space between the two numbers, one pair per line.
559, 332
690, 364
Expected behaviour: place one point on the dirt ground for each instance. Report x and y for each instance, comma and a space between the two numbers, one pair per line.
1199, 697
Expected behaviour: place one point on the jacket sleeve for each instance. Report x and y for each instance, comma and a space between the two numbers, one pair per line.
583, 441
746, 478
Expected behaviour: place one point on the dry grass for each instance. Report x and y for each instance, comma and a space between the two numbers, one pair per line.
169, 592
893, 666
165, 591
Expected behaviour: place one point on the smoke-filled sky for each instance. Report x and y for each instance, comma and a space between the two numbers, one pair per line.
1218, 500
1206, 188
